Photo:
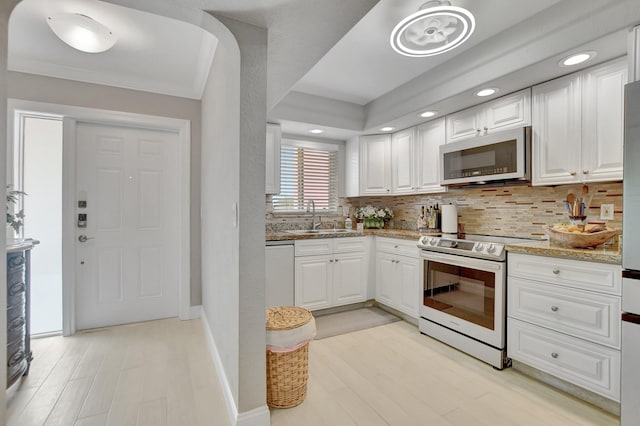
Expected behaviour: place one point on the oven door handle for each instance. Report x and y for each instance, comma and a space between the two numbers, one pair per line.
467, 262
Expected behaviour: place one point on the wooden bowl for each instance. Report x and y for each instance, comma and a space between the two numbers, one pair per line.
579, 239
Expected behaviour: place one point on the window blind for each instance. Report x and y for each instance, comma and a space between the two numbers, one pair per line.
307, 172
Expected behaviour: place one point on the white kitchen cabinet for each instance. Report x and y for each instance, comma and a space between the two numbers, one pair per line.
564, 319
375, 165
507, 112
403, 162
272, 159
415, 165
330, 272
578, 126
397, 275
428, 139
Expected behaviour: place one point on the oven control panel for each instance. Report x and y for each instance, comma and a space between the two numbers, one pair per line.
486, 250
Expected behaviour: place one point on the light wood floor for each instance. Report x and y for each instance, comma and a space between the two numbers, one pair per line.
154, 373
392, 375
159, 373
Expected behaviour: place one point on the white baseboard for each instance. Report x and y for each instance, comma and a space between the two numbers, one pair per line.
257, 417
232, 409
195, 312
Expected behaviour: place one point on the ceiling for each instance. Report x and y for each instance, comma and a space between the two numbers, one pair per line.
329, 62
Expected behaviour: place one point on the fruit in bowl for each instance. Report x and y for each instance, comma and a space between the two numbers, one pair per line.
592, 235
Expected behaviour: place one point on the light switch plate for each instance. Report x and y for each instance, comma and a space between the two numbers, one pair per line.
606, 211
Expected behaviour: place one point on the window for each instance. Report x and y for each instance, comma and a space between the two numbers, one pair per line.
308, 171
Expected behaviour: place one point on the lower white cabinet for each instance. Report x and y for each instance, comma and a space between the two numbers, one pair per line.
398, 275
564, 319
330, 272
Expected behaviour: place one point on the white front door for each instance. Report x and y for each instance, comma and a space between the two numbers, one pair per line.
128, 267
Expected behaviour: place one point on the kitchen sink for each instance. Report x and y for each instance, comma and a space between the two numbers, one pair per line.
319, 231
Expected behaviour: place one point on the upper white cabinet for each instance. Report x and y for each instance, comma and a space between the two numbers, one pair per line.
403, 163
375, 165
578, 126
509, 111
272, 159
428, 138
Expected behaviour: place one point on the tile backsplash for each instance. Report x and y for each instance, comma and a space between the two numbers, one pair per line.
519, 210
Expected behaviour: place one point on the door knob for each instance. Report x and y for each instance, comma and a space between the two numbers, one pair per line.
83, 238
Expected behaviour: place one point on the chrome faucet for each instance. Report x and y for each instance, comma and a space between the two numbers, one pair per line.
314, 225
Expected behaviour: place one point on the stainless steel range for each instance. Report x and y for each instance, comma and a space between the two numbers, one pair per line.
464, 295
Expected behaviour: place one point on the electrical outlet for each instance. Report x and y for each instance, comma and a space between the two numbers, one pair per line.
606, 211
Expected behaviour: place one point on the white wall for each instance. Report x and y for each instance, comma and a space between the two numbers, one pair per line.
43, 219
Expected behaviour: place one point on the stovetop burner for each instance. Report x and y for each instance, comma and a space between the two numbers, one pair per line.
473, 245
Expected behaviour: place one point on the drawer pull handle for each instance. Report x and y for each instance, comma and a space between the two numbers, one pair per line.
17, 288
554, 355
16, 358
395, 246
556, 271
554, 308
16, 324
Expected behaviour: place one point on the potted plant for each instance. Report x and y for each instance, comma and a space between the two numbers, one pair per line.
373, 217
15, 220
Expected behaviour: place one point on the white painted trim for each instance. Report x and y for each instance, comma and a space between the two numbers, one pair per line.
68, 227
195, 312
232, 409
73, 114
260, 416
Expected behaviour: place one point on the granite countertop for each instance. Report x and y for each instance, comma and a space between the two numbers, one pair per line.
21, 244
391, 233
604, 254
611, 254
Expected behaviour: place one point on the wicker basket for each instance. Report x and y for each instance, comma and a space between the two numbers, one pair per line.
287, 372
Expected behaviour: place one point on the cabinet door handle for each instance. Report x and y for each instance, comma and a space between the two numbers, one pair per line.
573, 173
556, 271
336, 260
554, 355
395, 246
585, 172
554, 308
331, 260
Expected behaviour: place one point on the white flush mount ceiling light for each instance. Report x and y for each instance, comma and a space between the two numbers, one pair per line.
82, 32
434, 29
577, 58
316, 131
486, 92
428, 114
386, 129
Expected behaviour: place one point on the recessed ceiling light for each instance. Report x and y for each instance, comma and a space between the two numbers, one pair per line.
428, 114
316, 131
82, 32
577, 58
486, 92
386, 129
436, 28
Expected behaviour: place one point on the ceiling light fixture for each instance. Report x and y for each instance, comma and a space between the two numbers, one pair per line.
577, 58
386, 129
434, 29
428, 114
486, 92
82, 32
316, 131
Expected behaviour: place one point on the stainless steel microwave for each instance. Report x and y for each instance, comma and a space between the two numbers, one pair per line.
501, 156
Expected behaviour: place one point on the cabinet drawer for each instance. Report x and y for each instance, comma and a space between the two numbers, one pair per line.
396, 246
593, 276
591, 316
313, 247
586, 364
349, 244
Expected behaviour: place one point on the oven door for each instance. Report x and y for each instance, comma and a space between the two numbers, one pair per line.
464, 294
